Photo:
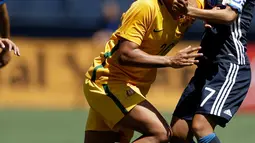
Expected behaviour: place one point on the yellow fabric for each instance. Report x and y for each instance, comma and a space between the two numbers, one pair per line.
109, 110
148, 24
113, 90
200, 4
96, 122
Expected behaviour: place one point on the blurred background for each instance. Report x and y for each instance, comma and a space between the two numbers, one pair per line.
41, 97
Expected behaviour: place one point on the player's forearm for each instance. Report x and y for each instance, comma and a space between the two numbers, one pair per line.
222, 16
4, 22
138, 58
5, 33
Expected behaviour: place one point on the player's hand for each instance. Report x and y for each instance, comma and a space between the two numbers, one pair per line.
186, 57
207, 25
180, 7
8, 44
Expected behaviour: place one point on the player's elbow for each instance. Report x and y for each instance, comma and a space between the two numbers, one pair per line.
128, 56
4, 11
230, 18
124, 58
126, 53
230, 15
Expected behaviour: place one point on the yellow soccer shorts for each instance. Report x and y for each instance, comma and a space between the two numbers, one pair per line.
109, 103
95, 122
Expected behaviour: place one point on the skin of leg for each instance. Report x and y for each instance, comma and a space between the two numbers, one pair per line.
101, 136
145, 119
126, 135
203, 125
181, 129
106, 137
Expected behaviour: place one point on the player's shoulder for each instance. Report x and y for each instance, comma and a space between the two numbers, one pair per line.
146, 4
200, 4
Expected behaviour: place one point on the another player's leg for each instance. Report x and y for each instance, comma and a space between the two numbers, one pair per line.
186, 108
181, 129
203, 127
222, 95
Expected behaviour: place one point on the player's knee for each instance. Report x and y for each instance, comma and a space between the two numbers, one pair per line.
198, 127
163, 135
203, 125
180, 128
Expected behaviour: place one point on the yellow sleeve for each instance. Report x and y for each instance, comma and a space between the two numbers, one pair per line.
136, 21
201, 4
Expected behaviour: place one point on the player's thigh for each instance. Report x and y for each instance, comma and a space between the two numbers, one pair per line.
103, 115
101, 137
95, 122
96, 136
122, 136
110, 103
182, 131
191, 96
189, 100
98, 131
146, 119
224, 93
186, 108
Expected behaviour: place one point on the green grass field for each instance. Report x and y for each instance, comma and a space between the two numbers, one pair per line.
19, 126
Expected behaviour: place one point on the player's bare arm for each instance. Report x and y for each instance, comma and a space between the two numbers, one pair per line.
130, 54
215, 15
220, 16
5, 44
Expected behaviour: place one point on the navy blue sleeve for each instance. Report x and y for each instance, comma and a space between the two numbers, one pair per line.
2, 2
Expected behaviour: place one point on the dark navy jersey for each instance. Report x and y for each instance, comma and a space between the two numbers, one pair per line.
228, 42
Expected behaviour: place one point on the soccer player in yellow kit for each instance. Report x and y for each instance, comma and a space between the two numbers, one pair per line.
6, 45
119, 79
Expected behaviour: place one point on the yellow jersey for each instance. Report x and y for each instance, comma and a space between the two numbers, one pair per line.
148, 24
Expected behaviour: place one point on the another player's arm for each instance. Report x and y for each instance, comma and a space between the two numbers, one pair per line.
4, 21
5, 44
5, 55
220, 16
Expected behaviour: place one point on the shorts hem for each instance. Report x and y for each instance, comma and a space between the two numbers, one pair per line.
116, 128
221, 121
182, 117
